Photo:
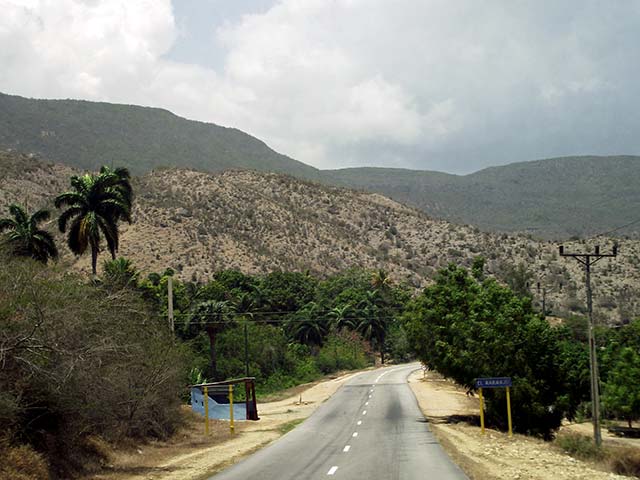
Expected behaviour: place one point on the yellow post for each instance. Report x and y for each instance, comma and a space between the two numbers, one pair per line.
509, 412
481, 411
206, 411
231, 425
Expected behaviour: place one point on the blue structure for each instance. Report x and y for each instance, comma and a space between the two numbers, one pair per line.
217, 409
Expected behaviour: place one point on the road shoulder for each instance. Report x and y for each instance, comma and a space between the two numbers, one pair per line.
494, 456
192, 456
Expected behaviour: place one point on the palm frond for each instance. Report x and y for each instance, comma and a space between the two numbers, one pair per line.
7, 224
19, 213
39, 217
67, 215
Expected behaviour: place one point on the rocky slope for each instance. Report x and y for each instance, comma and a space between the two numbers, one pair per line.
198, 223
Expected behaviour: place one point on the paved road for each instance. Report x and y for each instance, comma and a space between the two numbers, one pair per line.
371, 428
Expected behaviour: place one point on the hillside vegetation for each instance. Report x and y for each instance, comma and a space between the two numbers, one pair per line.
199, 223
553, 198
87, 135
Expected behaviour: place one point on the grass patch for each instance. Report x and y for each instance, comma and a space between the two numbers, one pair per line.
581, 446
287, 427
620, 460
626, 462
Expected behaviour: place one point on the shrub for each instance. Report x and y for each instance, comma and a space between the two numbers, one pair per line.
344, 350
81, 360
579, 446
22, 462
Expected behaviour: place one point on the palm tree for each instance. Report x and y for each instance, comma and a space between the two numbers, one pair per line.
120, 273
96, 203
121, 179
25, 238
373, 325
213, 315
306, 326
340, 317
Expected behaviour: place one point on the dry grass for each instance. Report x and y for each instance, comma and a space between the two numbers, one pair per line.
626, 461
22, 463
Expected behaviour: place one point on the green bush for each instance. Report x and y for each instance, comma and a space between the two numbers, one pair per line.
579, 446
344, 350
465, 329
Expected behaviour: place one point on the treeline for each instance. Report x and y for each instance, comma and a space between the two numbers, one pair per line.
466, 326
293, 326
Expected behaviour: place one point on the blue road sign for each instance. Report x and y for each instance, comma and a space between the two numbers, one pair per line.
493, 382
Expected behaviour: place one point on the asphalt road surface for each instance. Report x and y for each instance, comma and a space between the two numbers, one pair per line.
371, 428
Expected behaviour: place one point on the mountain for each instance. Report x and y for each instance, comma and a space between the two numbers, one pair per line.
556, 198
552, 198
198, 223
87, 135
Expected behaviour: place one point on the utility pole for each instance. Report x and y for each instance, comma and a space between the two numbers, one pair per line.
544, 297
588, 259
246, 351
170, 301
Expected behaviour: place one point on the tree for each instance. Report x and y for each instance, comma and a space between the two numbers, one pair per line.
374, 321
24, 237
467, 329
621, 392
213, 315
340, 316
517, 278
306, 326
95, 205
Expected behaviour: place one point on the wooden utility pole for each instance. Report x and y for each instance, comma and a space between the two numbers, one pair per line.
588, 259
170, 301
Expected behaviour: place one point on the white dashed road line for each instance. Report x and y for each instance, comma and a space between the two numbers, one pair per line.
332, 470
355, 434
347, 448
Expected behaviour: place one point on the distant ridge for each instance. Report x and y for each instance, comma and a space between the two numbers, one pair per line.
551, 198
89, 134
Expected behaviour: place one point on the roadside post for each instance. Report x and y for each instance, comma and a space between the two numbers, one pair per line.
206, 410
494, 382
232, 427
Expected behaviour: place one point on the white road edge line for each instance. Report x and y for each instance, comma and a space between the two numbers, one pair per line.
332, 470
347, 448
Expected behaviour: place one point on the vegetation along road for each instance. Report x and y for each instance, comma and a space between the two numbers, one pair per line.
371, 428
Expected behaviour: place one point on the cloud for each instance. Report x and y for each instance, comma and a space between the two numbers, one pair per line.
435, 84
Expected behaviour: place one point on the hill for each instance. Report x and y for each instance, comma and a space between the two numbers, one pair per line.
86, 135
552, 198
199, 223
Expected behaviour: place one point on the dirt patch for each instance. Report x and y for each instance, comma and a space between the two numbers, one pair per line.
494, 455
190, 455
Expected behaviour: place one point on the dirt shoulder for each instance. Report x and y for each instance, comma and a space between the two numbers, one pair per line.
494, 455
190, 455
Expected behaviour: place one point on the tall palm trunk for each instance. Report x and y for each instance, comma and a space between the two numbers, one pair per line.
94, 261
213, 364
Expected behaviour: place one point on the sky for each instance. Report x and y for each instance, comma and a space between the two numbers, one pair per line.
445, 85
